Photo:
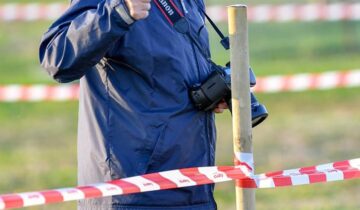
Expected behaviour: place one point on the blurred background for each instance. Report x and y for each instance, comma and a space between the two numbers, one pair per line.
38, 139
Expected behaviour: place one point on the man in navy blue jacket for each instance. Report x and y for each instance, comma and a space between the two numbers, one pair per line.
135, 114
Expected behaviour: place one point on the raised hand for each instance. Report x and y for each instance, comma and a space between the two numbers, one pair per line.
139, 9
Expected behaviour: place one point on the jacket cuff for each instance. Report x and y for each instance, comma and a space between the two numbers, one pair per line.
121, 9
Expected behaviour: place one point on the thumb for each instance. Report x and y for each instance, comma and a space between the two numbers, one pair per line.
139, 9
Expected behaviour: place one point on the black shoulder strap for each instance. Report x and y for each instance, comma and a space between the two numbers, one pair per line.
170, 11
176, 18
224, 40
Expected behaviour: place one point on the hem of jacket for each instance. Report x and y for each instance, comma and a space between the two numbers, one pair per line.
205, 206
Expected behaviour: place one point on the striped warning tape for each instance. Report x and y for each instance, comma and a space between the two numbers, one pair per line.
302, 82
343, 170
336, 171
34, 93
270, 84
259, 13
31, 12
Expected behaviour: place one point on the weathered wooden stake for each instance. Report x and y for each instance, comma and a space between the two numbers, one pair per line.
240, 88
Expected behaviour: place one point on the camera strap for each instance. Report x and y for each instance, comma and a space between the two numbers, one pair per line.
180, 23
178, 20
224, 39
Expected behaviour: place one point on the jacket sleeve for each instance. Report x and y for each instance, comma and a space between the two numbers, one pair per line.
81, 37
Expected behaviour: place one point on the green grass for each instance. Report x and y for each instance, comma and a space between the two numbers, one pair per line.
302, 47
19, 44
38, 140
301, 131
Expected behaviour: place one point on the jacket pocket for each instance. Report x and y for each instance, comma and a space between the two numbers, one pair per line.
157, 148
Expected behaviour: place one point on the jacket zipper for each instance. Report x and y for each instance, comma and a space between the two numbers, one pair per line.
207, 122
185, 11
198, 74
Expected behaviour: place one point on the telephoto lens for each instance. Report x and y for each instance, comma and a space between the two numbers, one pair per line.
258, 111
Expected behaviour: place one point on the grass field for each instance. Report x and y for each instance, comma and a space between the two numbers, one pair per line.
38, 140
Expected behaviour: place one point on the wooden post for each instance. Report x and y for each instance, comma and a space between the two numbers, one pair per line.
240, 88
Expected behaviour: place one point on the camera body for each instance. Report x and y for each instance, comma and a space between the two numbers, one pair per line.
217, 87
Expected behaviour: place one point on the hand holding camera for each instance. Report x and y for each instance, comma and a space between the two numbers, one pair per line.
221, 107
216, 90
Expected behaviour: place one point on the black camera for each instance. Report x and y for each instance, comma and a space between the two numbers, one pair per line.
218, 87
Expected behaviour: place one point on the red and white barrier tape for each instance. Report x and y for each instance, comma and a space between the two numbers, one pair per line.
15, 93
270, 84
260, 13
349, 169
244, 159
302, 82
31, 12
342, 170
293, 12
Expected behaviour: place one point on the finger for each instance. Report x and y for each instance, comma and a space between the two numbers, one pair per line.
146, 7
140, 15
143, 14
222, 105
218, 110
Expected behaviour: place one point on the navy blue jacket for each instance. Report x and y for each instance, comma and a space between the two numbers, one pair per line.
135, 114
